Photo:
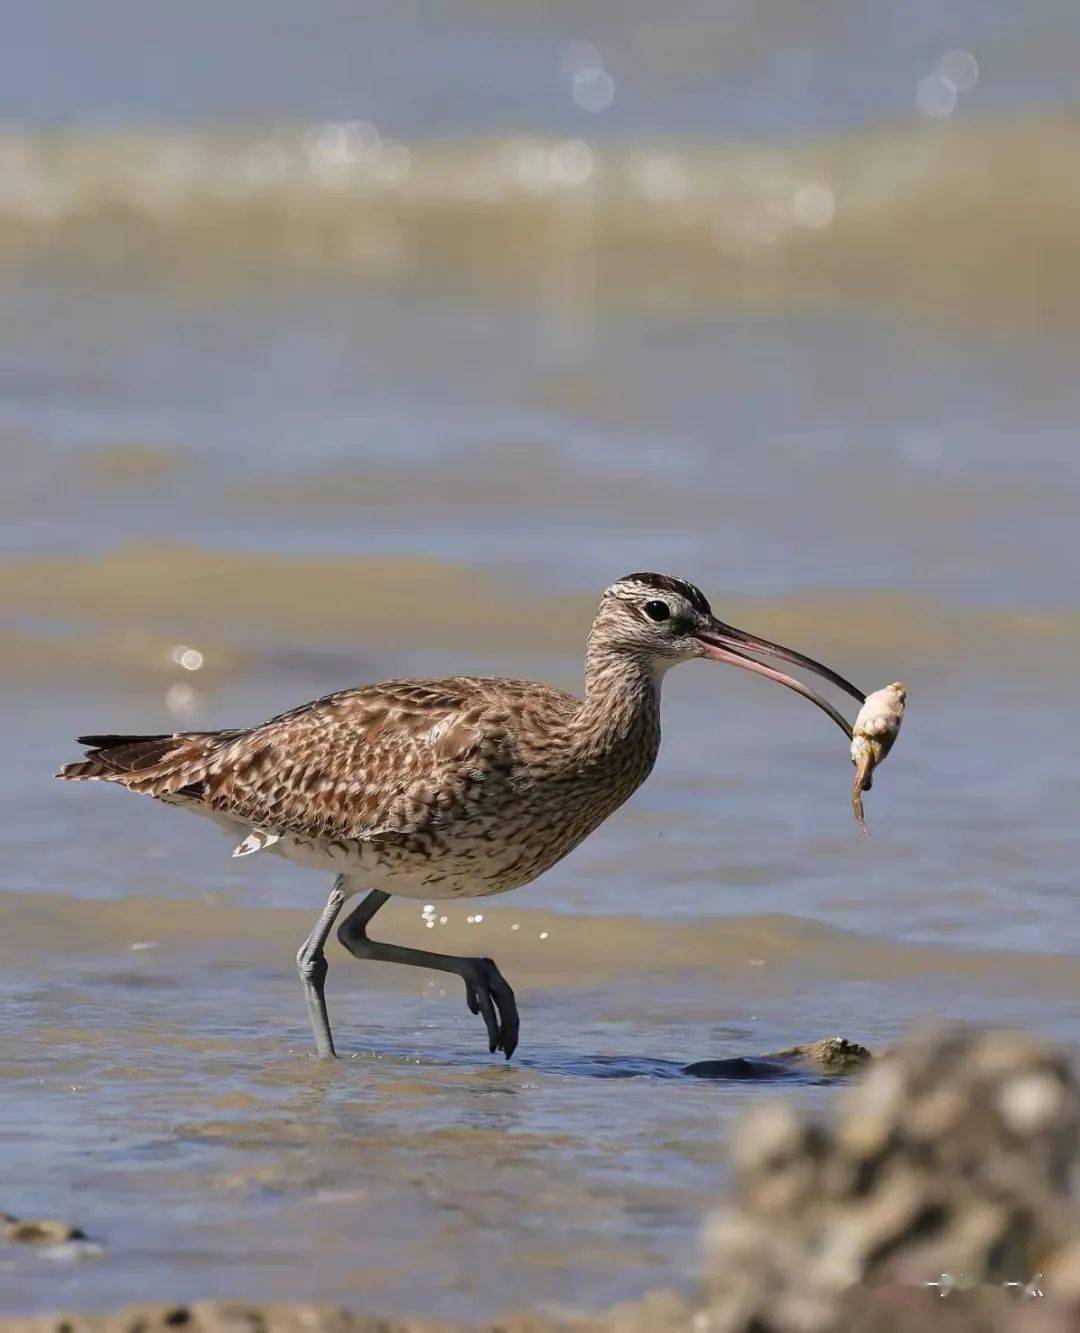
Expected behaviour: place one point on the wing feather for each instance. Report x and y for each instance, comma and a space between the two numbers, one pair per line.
356, 765
368, 763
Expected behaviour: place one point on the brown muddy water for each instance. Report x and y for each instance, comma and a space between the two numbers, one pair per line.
289, 402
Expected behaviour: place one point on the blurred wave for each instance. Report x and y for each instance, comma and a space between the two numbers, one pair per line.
965, 216
119, 613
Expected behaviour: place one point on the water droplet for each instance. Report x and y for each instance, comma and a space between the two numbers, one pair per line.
960, 68
571, 163
593, 89
181, 700
814, 204
341, 143
183, 655
936, 96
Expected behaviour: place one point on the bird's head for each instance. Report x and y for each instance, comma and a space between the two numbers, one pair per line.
661, 620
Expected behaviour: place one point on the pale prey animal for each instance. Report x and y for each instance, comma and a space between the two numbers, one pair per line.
456, 787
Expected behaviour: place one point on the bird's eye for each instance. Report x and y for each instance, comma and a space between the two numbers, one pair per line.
657, 610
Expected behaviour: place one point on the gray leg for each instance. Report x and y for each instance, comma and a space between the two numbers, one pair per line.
486, 991
313, 967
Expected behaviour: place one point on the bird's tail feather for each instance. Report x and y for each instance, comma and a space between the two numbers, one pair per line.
135, 760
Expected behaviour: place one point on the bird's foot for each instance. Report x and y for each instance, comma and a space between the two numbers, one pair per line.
488, 994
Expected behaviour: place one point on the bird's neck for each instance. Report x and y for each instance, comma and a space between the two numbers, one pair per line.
621, 708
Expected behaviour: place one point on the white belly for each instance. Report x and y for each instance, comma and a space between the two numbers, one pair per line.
444, 876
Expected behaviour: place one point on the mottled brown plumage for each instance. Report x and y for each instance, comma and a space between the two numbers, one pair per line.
459, 786
446, 775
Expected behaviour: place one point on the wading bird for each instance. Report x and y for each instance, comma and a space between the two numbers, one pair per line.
457, 787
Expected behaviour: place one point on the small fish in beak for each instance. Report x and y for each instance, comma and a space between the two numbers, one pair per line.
876, 726
875, 729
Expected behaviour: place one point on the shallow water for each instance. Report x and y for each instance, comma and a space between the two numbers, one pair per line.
325, 408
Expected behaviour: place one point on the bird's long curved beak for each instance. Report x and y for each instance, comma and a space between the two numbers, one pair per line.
725, 643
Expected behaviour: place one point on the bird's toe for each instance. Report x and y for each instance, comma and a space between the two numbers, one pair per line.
488, 994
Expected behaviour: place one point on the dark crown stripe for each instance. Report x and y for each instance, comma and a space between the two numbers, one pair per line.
665, 583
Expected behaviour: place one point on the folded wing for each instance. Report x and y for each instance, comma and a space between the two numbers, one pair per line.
361, 764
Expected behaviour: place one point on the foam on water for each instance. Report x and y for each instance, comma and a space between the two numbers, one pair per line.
797, 225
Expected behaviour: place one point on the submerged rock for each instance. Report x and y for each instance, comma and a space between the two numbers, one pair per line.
736, 1067
39, 1231
831, 1055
